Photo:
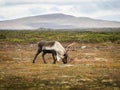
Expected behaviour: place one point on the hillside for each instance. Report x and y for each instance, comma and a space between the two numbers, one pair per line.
57, 21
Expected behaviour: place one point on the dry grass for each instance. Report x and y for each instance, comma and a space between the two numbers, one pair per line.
96, 67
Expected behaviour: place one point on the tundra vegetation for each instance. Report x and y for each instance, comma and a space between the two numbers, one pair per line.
93, 61
62, 36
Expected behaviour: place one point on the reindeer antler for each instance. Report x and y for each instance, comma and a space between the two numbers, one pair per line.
70, 46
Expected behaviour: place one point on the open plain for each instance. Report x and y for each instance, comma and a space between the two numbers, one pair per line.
90, 67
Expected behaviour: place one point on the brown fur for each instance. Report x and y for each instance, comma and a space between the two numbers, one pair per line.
46, 43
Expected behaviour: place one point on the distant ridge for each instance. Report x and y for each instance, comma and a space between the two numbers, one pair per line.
57, 21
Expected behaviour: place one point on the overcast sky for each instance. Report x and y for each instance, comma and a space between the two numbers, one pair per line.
98, 9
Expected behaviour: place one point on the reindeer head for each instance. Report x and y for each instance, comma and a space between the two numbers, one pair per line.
65, 58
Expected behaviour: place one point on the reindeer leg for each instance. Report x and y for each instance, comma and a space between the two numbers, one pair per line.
54, 57
38, 52
44, 58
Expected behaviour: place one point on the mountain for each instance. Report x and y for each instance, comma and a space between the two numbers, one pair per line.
57, 21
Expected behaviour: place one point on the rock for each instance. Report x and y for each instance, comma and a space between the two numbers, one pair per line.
83, 47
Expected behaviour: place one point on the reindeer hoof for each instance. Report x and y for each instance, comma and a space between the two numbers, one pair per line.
53, 63
33, 62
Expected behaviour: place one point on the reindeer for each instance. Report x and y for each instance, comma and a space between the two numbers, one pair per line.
53, 47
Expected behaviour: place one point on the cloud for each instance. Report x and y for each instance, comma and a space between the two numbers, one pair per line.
11, 12
2, 2
48, 1
10, 9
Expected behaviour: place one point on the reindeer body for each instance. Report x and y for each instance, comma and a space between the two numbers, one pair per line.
55, 48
